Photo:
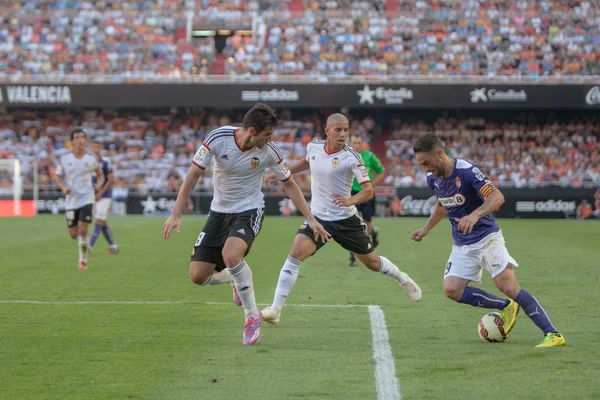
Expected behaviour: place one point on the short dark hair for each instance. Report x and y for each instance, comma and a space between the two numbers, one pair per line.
77, 130
261, 117
96, 141
427, 143
356, 134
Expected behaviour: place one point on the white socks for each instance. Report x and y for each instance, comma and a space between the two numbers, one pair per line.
242, 278
82, 242
219, 278
388, 268
287, 280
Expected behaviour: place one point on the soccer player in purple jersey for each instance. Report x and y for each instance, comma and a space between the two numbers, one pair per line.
469, 198
103, 201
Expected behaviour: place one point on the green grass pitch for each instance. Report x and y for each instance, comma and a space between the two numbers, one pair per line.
188, 349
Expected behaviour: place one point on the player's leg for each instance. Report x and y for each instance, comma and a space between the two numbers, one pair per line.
368, 213
71, 216
206, 262
82, 242
304, 246
463, 267
243, 229
98, 222
388, 268
351, 234
502, 266
106, 231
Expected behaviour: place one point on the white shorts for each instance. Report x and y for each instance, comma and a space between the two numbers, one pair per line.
102, 208
468, 261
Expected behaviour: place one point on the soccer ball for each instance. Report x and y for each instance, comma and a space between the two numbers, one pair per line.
491, 328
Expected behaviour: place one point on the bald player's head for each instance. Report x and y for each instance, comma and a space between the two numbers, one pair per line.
336, 118
337, 130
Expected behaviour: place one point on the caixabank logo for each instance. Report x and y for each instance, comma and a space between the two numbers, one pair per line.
484, 95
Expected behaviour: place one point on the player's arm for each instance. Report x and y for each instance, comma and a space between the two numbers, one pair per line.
378, 170
299, 166
110, 179
174, 220
200, 162
366, 193
100, 181
493, 200
437, 214
295, 193
59, 181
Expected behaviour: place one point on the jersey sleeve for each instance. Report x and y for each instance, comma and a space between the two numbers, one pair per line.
59, 168
359, 170
376, 164
95, 164
278, 164
479, 181
108, 168
203, 156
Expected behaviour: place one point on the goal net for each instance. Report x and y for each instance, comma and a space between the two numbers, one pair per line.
12, 189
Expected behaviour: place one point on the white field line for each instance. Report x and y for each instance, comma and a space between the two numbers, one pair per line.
386, 383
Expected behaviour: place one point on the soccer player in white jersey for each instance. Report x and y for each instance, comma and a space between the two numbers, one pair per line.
333, 165
240, 156
74, 177
469, 198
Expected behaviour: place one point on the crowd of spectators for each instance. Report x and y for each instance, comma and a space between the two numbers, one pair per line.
450, 38
148, 38
515, 154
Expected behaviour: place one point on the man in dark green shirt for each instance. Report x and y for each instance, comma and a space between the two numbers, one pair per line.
375, 169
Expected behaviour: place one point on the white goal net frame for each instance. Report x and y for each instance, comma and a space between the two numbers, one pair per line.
11, 169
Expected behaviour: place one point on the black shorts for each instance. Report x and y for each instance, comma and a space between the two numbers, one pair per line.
350, 233
83, 214
219, 226
366, 209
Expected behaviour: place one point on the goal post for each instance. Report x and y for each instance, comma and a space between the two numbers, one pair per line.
12, 188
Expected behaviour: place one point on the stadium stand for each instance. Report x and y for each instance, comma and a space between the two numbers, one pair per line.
148, 39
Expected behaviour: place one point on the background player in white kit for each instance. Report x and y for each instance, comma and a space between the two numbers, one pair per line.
333, 166
240, 157
74, 177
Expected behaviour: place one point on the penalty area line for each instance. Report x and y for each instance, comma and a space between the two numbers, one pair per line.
386, 382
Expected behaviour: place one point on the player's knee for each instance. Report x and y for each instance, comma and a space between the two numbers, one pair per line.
373, 263
199, 277
73, 234
82, 230
508, 287
453, 292
232, 259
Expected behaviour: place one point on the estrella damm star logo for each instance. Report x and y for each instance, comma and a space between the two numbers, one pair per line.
254, 162
335, 162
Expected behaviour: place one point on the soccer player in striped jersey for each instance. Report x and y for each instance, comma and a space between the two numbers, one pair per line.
240, 157
333, 166
469, 198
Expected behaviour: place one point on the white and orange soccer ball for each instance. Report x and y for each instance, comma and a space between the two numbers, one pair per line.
491, 328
